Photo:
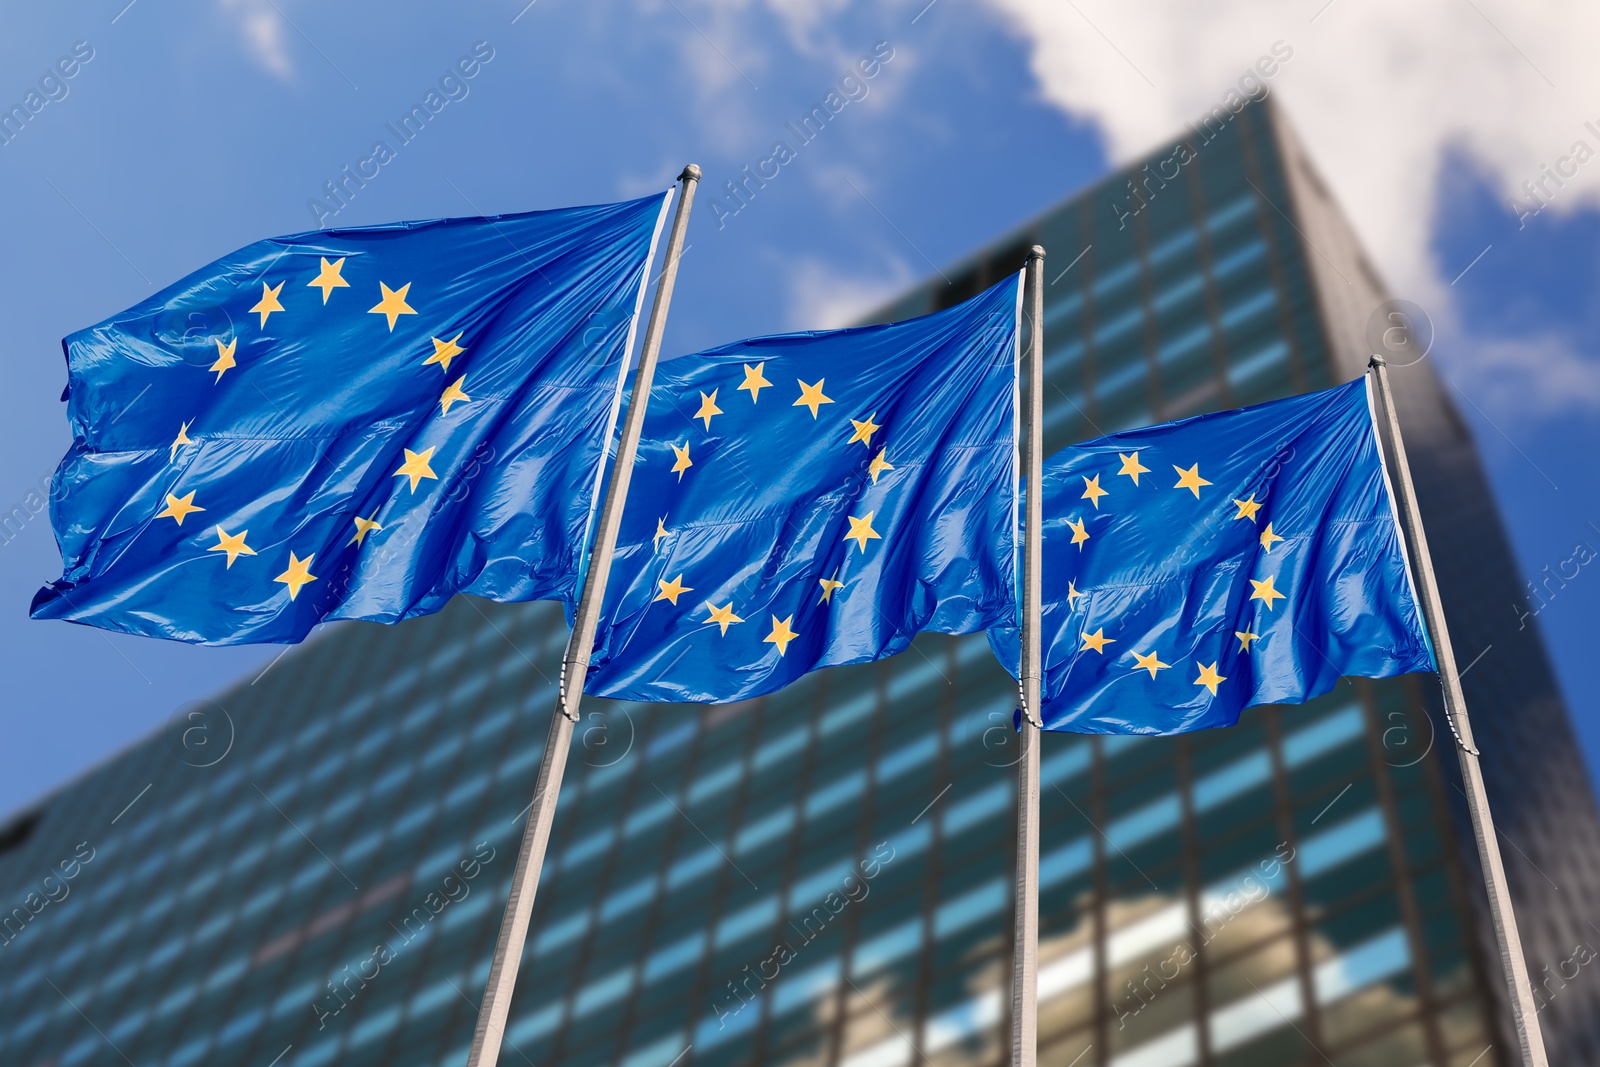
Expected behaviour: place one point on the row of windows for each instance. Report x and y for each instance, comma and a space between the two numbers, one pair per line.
1356, 968
985, 901
294, 1001
1127, 831
1117, 387
1233, 1025
241, 864
1173, 295
1111, 281
1170, 301
223, 922
282, 792
315, 872
247, 860
763, 827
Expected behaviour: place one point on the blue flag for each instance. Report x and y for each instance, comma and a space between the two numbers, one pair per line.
1198, 568
816, 499
349, 424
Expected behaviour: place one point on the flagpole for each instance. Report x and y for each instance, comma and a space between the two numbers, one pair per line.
496, 1004
1524, 1010
1025, 949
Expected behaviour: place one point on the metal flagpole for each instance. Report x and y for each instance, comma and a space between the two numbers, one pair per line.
1025, 948
496, 1003
1524, 1011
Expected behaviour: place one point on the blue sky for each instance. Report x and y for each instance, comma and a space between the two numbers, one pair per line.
193, 131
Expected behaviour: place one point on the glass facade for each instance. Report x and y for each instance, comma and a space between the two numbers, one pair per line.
311, 869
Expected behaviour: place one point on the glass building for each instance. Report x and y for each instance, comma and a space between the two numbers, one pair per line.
311, 868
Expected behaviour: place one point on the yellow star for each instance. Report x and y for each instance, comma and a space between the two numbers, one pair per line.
1210, 678
1073, 596
393, 304
1245, 637
708, 408
683, 462
181, 439
661, 531
1247, 508
1268, 538
416, 467
298, 574
363, 527
444, 352
232, 544
224, 357
811, 397
878, 466
865, 428
1092, 491
861, 530
1266, 591
1190, 479
828, 587
268, 302
781, 635
453, 394
1150, 663
754, 381
1132, 467
723, 616
1079, 533
179, 508
329, 279
671, 591
1097, 640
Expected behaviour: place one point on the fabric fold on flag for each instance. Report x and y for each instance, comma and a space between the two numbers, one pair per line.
816, 499
1204, 566
349, 424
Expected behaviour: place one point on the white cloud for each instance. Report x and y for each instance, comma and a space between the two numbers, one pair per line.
806, 21
1527, 378
1380, 93
261, 27
823, 298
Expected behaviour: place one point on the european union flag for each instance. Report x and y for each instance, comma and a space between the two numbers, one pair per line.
815, 499
1198, 568
349, 424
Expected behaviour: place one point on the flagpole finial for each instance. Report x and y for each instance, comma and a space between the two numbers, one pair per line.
1377, 361
691, 172
1036, 252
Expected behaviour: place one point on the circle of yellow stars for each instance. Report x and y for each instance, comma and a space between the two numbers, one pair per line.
812, 399
1189, 479
393, 303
